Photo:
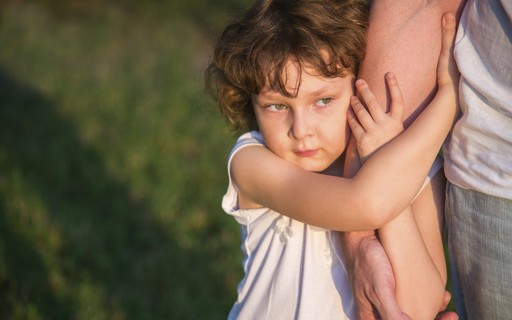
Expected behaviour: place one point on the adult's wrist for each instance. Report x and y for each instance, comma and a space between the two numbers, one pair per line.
354, 242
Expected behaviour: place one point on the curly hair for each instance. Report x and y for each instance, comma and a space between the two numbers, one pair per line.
253, 51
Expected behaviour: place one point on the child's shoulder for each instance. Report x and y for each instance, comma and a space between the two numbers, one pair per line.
251, 138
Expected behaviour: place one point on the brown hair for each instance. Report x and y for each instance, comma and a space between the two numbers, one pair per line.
254, 50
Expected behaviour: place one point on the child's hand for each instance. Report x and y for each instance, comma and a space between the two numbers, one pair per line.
373, 128
447, 73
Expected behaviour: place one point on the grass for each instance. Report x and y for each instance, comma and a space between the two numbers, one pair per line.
112, 163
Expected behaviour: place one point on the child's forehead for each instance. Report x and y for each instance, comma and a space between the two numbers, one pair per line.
290, 71
287, 80
310, 60
307, 86
290, 76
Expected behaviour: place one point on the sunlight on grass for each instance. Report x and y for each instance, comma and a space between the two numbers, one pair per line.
112, 165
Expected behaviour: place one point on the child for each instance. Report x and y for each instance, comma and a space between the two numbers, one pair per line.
286, 72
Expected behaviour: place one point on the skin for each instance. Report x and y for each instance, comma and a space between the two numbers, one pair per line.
304, 129
402, 33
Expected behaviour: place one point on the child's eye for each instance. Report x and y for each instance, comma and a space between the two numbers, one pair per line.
277, 107
324, 102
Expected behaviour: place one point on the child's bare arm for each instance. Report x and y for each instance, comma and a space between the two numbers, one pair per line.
370, 199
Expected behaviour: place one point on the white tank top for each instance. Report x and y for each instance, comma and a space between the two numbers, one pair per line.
292, 270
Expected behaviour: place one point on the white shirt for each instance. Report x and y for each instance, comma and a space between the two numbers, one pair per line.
478, 155
292, 270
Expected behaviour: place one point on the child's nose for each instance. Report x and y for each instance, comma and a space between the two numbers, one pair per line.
301, 126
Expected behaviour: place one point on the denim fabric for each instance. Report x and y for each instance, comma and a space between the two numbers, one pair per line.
480, 249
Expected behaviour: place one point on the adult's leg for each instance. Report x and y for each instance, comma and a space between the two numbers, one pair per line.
480, 250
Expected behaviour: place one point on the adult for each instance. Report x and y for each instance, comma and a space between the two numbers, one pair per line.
478, 164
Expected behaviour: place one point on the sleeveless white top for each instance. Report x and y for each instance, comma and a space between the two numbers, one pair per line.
292, 270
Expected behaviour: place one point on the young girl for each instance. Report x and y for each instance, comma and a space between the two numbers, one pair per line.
286, 72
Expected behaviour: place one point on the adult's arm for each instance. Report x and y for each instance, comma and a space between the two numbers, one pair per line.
403, 37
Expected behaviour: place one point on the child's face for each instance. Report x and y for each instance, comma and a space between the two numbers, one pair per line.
309, 129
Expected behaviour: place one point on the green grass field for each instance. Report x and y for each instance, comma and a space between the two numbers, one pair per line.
112, 162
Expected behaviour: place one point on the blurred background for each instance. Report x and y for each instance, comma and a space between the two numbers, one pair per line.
113, 162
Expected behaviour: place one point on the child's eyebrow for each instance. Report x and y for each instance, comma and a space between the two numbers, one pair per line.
267, 96
327, 88
269, 92
320, 91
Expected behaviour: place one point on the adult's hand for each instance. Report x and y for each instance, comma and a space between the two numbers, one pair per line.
371, 276
372, 279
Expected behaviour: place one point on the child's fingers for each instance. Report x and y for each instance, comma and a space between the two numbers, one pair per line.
446, 69
397, 102
374, 108
355, 126
448, 27
362, 115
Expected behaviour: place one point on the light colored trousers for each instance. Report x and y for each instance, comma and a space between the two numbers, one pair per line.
480, 249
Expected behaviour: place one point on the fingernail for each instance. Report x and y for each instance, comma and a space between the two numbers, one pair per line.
390, 75
449, 18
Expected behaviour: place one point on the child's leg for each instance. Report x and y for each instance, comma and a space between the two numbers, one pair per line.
431, 200
415, 250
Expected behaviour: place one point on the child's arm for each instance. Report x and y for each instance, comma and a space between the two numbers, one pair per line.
375, 195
